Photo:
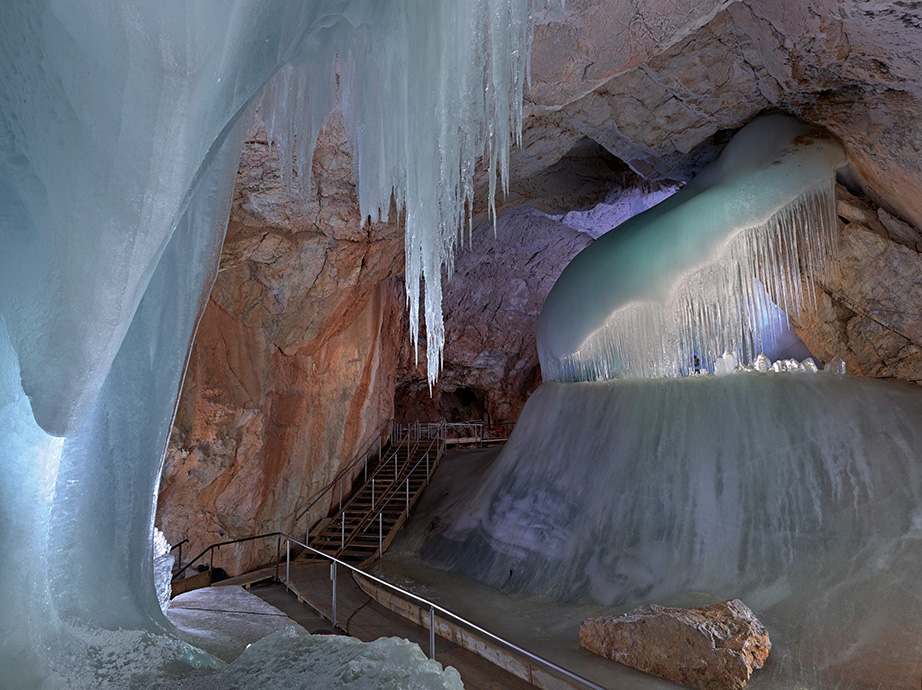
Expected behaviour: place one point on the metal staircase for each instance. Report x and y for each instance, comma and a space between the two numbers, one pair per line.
364, 525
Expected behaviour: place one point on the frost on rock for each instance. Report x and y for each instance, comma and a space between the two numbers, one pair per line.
705, 271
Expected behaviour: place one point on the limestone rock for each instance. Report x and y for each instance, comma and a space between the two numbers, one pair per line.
868, 312
712, 647
292, 371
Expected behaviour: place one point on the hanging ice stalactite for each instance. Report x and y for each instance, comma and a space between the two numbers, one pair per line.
701, 274
427, 91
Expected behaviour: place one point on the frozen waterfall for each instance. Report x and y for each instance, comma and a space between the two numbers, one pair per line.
120, 129
701, 273
797, 492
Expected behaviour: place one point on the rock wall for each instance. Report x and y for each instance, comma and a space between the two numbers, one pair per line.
293, 367
657, 84
869, 313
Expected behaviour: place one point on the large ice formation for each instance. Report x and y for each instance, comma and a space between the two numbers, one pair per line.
797, 492
120, 130
292, 659
701, 273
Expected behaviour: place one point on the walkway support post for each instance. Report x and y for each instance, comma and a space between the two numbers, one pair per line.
333, 578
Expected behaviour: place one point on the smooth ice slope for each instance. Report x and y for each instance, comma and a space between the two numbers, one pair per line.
120, 130
799, 493
685, 278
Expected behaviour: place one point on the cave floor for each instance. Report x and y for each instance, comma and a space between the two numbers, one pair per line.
361, 617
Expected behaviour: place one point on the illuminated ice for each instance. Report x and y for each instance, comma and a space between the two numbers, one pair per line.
684, 279
121, 123
163, 569
799, 493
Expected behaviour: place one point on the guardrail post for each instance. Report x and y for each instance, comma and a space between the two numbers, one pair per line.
432, 632
278, 556
287, 564
372, 493
380, 538
211, 560
333, 578
340, 493
342, 531
427, 468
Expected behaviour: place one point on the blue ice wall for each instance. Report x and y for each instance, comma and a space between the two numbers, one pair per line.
120, 128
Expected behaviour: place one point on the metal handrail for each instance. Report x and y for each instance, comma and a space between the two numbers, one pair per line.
385, 426
433, 608
178, 563
218, 545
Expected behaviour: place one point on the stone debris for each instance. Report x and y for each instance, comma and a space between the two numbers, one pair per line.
712, 647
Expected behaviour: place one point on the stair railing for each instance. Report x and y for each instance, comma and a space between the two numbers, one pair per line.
378, 470
384, 430
434, 451
423, 604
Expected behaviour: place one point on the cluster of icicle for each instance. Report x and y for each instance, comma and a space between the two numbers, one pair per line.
727, 363
427, 89
729, 305
715, 268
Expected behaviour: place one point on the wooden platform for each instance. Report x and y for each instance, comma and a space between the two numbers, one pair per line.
360, 616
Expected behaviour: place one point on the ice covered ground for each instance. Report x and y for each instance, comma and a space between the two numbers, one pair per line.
796, 492
244, 643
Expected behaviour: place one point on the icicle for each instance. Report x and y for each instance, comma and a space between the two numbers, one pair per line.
427, 89
703, 275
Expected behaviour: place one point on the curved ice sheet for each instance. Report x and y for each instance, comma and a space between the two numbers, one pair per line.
799, 493
684, 279
120, 130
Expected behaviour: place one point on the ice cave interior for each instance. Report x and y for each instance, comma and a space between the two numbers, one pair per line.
456, 157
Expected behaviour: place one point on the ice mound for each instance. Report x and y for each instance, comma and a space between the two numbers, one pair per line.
701, 273
798, 493
292, 659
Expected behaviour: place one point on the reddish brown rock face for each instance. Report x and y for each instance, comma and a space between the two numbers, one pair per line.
294, 362
714, 647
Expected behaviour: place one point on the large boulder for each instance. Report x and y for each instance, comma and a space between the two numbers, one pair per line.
712, 647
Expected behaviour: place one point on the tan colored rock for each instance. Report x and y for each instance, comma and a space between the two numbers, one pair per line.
712, 647
293, 366
869, 312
